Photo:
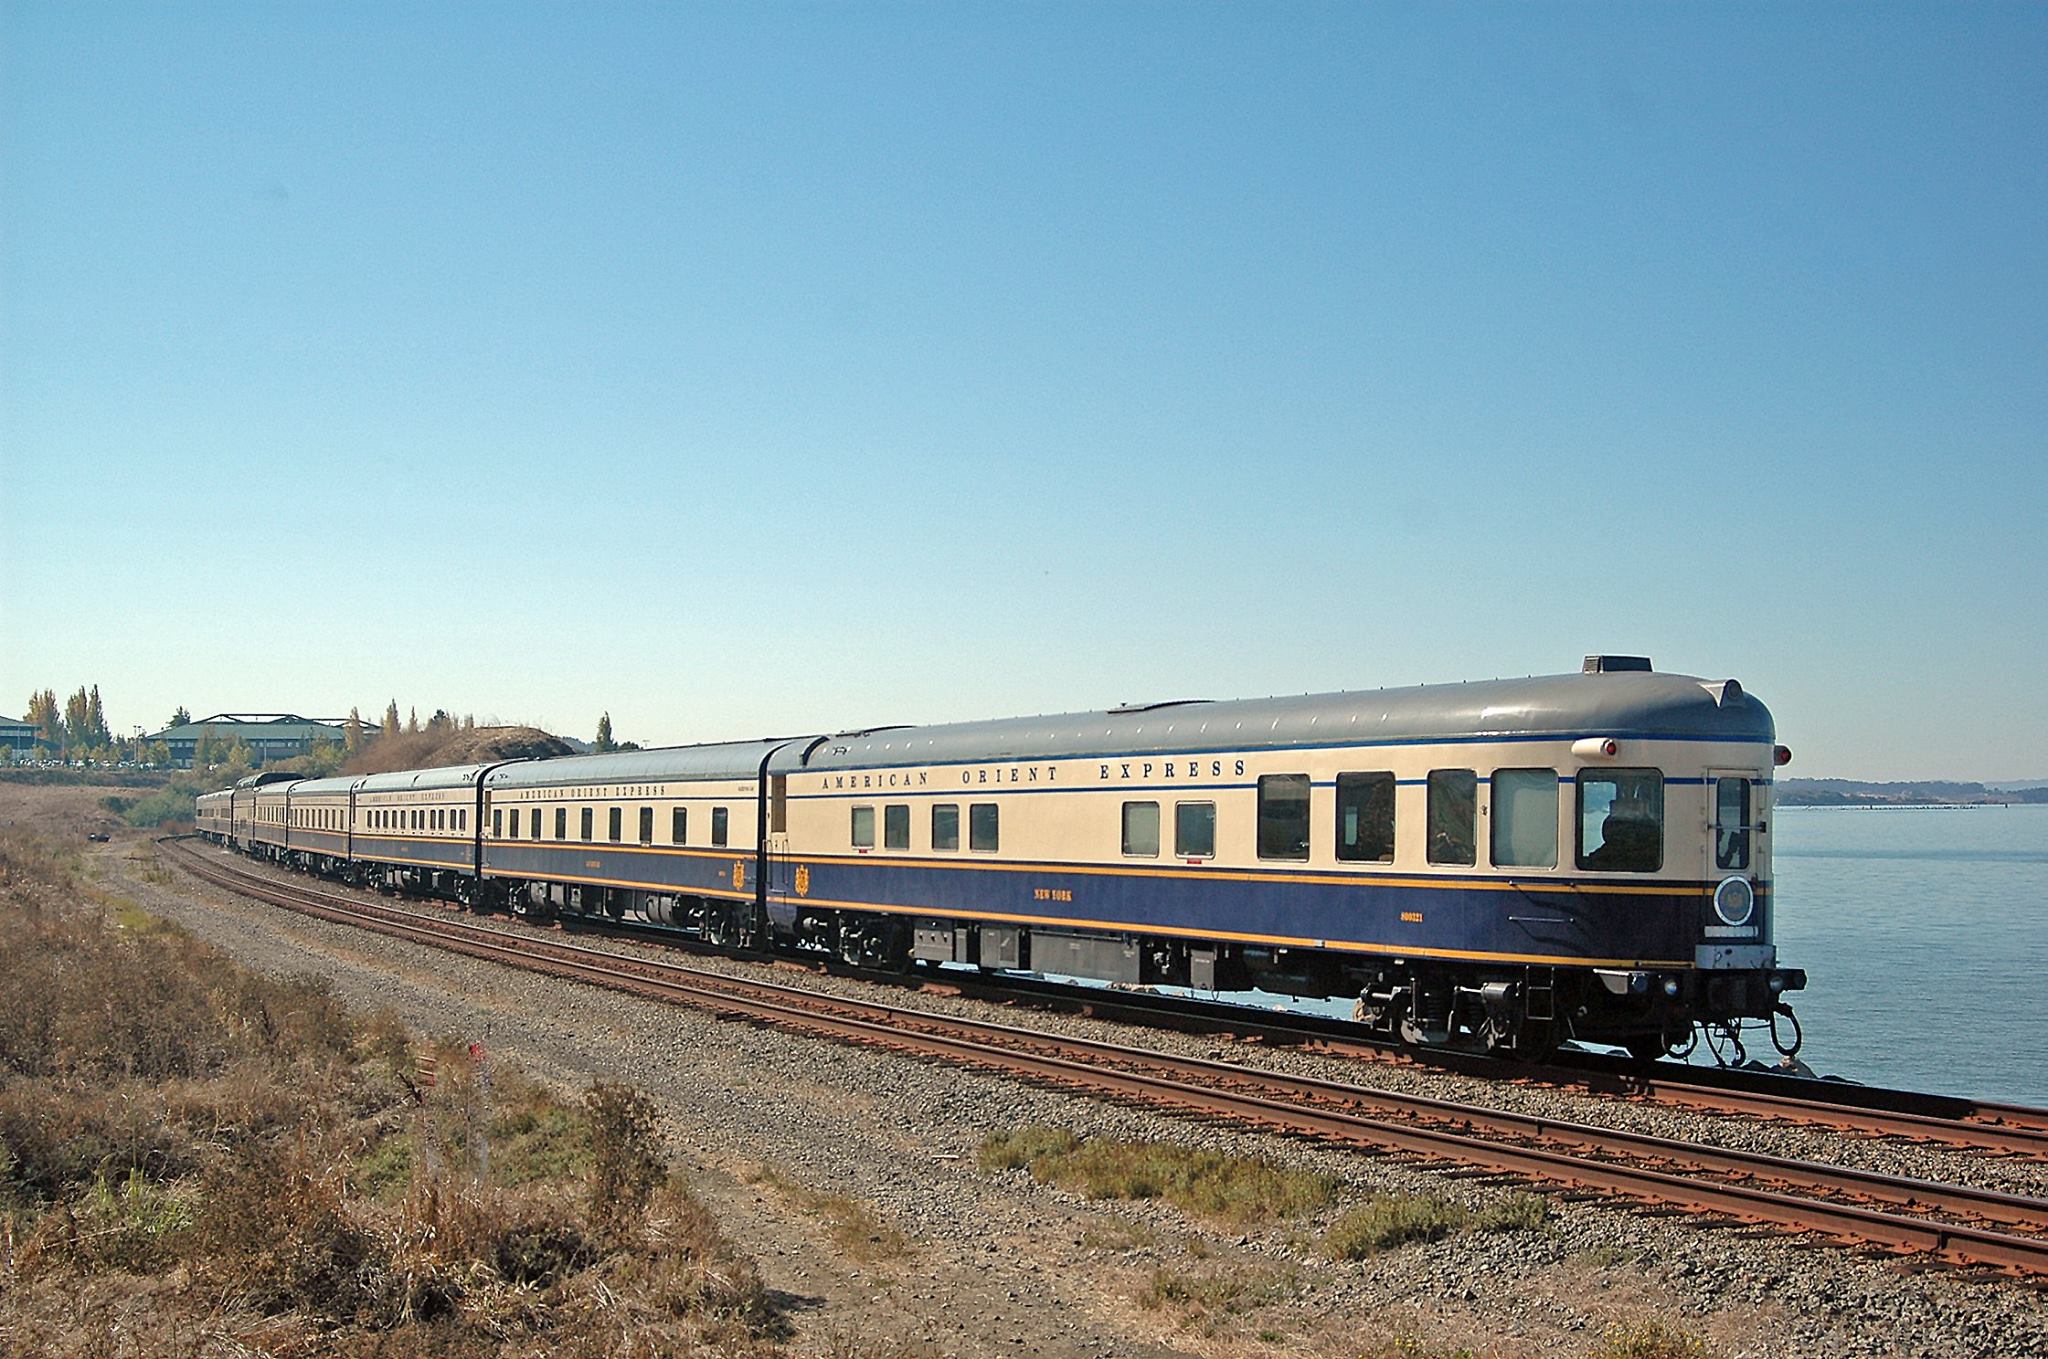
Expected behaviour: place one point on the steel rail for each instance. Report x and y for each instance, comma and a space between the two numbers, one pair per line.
1027, 1051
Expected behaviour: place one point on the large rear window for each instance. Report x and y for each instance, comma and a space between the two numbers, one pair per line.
1621, 820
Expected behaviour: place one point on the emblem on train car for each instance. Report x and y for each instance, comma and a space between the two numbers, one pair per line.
739, 875
803, 880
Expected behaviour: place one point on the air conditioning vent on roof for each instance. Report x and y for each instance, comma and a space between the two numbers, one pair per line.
1609, 665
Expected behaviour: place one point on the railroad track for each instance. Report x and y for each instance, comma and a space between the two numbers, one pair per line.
1952, 1223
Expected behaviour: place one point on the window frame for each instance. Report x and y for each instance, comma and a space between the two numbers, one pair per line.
949, 844
1472, 818
995, 827
1372, 778
679, 826
588, 823
1579, 782
1158, 835
896, 825
1494, 819
721, 827
863, 812
1180, 850
1307, 843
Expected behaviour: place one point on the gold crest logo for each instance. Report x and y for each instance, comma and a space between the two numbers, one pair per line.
739, 874
803, 880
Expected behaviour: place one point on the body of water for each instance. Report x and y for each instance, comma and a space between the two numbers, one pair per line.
1924, 935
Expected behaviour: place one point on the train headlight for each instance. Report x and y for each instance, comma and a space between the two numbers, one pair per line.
1734, 901
1671, 986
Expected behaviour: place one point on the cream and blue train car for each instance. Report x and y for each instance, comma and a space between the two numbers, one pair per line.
418, 829
270, 819
213, 815
1508, 863
320, 829
671, 834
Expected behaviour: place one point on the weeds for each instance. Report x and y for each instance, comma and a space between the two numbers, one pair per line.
1386, 1221
1234, 1189
1650, 1339
850, 1224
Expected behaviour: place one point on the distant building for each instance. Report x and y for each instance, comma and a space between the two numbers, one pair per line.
269, 736
17, 739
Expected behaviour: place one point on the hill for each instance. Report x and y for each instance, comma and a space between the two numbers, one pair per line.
475, 745
1859, 793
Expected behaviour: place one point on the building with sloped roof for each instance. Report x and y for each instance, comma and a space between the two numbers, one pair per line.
17, 739
269, 736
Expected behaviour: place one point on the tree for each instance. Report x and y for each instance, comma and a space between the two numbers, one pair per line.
412, 719
440, 723
179, 718
352, 734
391, 719
42, 714
604, 735
78, 731
96, 720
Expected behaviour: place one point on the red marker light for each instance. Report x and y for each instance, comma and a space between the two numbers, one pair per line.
1781, 755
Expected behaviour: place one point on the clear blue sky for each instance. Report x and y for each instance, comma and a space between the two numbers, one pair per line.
762, 368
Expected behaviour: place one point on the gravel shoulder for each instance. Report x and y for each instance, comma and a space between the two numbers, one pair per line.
851, 1175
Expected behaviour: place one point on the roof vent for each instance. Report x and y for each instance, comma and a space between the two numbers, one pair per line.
1610, 665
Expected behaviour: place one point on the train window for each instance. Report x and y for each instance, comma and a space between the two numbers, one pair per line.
1731, 823
615, 821
498, 822
561, 823
647, 825
1453, 816
1621, 820
679, 826
863, 827
589, 816
1525, 818
896, 826
419, 820
718, 823
946, 825
1283, 816
1365, 818
983, 827
1141, 830
536, 822
1194, 830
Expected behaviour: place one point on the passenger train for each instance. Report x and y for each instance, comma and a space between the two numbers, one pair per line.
1504, 864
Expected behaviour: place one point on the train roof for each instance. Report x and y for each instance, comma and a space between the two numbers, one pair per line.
1641, 704
336, 786
407, 780
725, 760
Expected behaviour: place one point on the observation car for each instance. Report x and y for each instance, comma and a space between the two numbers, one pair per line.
1506, 864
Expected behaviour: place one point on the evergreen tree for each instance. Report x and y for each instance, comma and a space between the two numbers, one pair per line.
77, 721
391, 718
352, 734
180, 717
604, 741
96, 720
412, 720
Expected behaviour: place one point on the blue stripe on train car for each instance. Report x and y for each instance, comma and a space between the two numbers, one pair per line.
1445, 916
431, 853
609, 865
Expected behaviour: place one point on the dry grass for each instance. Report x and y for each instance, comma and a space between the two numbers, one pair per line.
1386, 1221
1650, 1339
195, 1159
851, 1225
1234, 1189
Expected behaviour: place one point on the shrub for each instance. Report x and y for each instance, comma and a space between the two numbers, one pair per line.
625, 1155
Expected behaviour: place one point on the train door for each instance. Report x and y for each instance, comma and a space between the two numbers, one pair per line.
1733, 796
777, 873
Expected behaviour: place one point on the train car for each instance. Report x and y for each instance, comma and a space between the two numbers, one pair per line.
319, 824
213, 815
1505, 864
270, 831
418, 830
670, 834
